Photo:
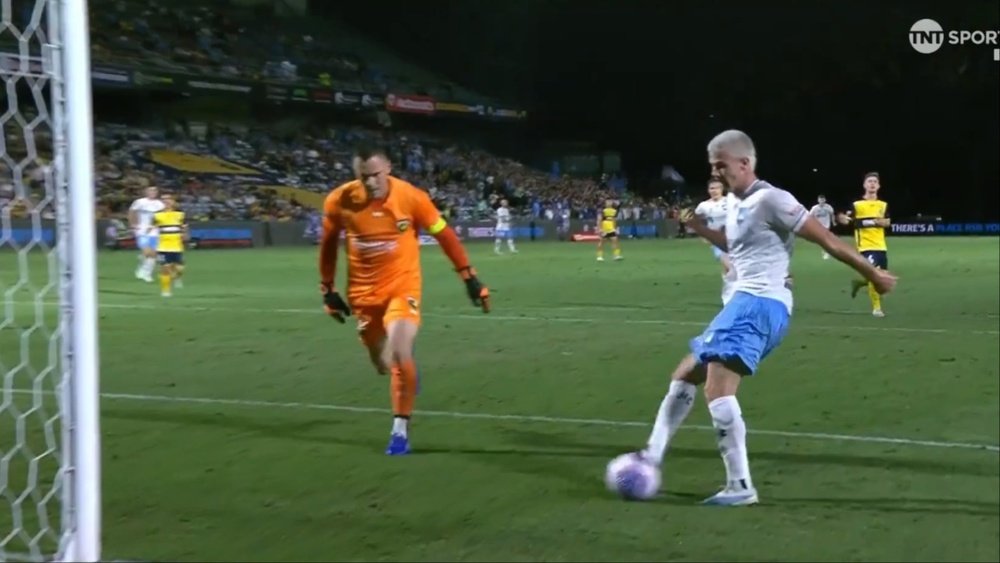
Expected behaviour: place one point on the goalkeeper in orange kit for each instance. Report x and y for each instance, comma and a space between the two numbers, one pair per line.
380, 215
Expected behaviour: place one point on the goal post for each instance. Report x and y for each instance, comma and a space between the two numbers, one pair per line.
50, 447
81, 375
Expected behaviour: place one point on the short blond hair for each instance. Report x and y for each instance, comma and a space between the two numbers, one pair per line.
736, 143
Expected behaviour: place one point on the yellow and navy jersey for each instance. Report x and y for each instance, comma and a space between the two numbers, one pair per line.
171, 226
867, 235
608, 217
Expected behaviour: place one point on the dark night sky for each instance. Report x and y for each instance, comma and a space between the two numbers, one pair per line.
828, 85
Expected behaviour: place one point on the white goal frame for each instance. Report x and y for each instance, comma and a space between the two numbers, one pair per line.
82, 448
53, 55
68, 66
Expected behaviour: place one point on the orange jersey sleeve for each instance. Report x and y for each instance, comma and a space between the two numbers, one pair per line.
431, 221
425, 213
330, 239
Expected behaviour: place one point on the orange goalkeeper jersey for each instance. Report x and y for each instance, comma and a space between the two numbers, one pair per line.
383, 248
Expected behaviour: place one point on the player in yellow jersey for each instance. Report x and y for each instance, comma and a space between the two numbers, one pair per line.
870, 216
170, 246
607, 225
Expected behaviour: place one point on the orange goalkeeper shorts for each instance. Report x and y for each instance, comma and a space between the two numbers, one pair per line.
374, 319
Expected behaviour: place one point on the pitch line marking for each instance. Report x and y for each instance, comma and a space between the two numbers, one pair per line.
526, 418
514, 318
536, 318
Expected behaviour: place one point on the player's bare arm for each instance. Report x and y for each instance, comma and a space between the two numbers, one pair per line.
870, 222
845, 219
717, 238
816, 233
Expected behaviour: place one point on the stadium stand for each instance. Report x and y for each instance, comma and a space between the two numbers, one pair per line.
238, 172
245, 170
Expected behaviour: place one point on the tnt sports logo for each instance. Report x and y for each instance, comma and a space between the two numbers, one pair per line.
927, 36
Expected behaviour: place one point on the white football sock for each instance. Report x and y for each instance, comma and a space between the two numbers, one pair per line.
496, 245
673, 410
149, 265
731, 433
510, 245
399, 425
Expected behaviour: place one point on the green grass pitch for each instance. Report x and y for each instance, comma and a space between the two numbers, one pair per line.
239, 423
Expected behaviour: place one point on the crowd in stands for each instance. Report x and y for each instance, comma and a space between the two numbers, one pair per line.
238, 172
465, 183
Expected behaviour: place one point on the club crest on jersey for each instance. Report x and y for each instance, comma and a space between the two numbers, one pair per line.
403, 225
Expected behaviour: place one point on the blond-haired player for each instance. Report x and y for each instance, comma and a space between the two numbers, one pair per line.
761, 227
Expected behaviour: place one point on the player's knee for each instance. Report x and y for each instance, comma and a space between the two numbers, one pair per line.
399, 351
721, 380
403, 355
689, 370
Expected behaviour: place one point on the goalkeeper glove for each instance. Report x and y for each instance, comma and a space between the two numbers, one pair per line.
478, 293
333, 303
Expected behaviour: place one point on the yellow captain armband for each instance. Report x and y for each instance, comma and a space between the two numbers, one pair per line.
437, 226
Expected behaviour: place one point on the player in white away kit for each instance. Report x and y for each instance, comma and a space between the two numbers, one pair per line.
760, 226
503, 230
823, 212
140, 219
713, 212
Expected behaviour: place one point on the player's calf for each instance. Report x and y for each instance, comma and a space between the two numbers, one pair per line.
674, 408
373, 338
721, 384
376, 356
178, 274
166, 279
398, 353
147, 263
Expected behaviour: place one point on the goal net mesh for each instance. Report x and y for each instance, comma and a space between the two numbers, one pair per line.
33, 280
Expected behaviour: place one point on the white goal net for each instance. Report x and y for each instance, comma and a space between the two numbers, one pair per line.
49, 446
